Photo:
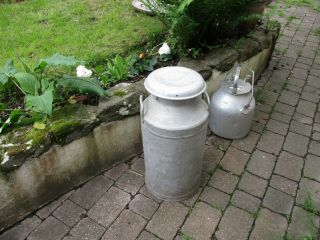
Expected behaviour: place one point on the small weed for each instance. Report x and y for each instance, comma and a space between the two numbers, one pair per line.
120, 93
259, 95
256, 213
216, 206
290, 18
308, 204
184, 236
289, 219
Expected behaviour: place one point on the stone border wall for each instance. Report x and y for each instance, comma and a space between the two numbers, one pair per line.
109, 134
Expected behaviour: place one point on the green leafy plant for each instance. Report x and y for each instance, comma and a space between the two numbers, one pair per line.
40, 89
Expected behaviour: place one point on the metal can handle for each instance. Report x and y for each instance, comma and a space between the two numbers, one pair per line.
245, 108
206, 98
141, 108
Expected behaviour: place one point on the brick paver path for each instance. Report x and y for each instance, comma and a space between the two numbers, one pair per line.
263, 187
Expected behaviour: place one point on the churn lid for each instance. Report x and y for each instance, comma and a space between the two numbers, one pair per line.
175, 83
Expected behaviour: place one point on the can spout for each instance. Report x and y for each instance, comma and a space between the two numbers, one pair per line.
236, 80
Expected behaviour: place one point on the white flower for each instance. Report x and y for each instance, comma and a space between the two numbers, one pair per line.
82, 71
165, 49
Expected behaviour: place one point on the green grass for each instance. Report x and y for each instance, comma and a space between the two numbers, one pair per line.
87, 29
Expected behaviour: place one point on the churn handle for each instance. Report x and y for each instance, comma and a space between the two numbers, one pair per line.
207, 98
243, 110
141, 107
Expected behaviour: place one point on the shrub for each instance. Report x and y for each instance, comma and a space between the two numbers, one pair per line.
192, 23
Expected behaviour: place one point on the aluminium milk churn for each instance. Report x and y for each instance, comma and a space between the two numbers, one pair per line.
174, 121
233, 106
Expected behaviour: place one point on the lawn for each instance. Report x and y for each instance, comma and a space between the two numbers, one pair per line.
87, 29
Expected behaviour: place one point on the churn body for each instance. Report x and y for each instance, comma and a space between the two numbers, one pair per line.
174, 121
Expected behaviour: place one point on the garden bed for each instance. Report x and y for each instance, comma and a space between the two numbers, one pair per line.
82, 141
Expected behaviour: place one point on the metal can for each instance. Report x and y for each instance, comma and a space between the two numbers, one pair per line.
174, 120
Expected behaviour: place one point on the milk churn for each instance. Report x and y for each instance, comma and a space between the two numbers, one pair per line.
232, 106
174, 121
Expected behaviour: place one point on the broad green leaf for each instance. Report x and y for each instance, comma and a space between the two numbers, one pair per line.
60, 60
82, 85
2, 106
39, 68
183, 5
42, 103
39, 125
28, 82
7, 70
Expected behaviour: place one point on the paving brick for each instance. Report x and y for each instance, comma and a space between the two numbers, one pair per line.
253, 184
312, 167
143, 206
202, 221
130, 182
212, 156
309, 190
69, 213
167, 220
245, 201
277, 127
293, 88
296, 82
284, 108
257, 127
115, 172
306, 108
248, 143
278, 201
303, 224
106, 210
235, 224
146, 193
21, 230
289, 166
271, 142
261, 164
300, 73
127, 227
269, 226
89, 193
50, 229
269, 97
191, 201
302, 118
284, 185
288, 97
314, 148
215, 198
86, 229
224, 181
281, 117
205, 177
234, 160
296, 144
45, 211
221, 143
138, 165
311, 97
300, 128
261, 117
147, 236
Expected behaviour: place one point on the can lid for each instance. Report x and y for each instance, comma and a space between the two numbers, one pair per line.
175, 83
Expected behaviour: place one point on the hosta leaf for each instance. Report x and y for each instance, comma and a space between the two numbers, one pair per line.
42, 103
61, 60
7, 70
28, 82
82, 85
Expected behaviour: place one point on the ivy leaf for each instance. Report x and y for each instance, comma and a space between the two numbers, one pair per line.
60, 60
7, 70
82, 85
39, 125
28, 82
39, 68
42, 103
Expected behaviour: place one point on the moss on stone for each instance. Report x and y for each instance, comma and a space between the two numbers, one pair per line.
61, 128
120, 93
37, 136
